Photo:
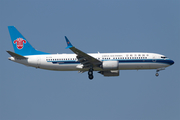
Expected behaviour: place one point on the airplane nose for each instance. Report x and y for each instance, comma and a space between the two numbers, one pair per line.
171, 62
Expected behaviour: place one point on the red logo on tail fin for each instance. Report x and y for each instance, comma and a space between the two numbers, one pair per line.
19, 43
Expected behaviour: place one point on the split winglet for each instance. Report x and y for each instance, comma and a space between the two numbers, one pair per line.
69, 45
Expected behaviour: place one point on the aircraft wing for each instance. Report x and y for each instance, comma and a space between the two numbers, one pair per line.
83, 58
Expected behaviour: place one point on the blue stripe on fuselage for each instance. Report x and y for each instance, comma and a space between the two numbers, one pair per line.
64, 62
162, 61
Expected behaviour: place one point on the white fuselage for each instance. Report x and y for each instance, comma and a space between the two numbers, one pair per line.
69, 62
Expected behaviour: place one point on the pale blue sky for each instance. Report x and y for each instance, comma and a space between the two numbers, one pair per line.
96, 25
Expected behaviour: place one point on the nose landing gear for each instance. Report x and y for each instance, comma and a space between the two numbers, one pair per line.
157, 74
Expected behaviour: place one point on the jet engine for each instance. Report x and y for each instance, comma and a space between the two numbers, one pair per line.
110, 65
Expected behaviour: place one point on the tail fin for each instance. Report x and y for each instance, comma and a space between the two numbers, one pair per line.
20, 44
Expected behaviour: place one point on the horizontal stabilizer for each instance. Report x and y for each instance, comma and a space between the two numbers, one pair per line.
16, 55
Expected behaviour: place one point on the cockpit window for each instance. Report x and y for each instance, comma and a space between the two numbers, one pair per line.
163, 57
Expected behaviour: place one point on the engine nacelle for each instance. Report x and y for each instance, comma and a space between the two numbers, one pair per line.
110, 73
110, 65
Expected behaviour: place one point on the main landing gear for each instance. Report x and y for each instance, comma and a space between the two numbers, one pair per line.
90, 74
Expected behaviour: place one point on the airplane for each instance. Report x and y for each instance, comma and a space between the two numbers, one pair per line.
107, 64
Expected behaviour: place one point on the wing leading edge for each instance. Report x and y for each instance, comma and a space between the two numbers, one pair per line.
83, 58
